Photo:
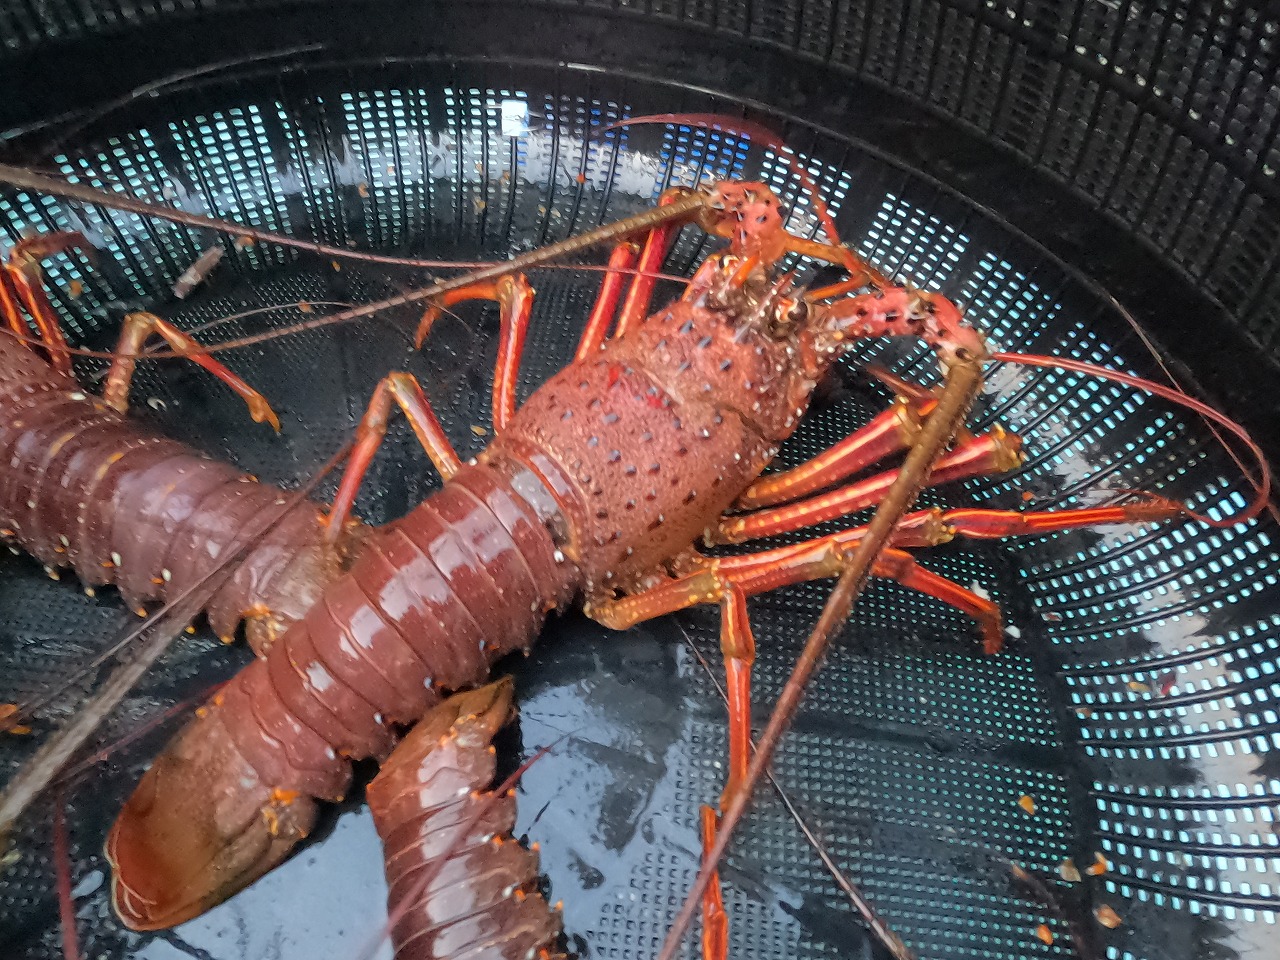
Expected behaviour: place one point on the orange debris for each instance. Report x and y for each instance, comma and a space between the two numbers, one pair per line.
1108, 917
8, 710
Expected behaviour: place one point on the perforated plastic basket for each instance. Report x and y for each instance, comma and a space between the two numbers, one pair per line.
1029, 161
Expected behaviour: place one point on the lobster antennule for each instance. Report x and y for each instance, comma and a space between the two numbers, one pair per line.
180, 846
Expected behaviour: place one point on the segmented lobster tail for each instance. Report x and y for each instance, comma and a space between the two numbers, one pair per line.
82, 486
458, 882
432, 601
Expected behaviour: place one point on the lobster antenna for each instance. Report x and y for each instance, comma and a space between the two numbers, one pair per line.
1262, 485
764, 136
25, 179
62, 882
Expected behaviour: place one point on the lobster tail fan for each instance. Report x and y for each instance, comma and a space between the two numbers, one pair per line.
200, 827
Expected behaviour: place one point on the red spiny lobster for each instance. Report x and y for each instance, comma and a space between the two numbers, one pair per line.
82, 486
597, 488
458, 882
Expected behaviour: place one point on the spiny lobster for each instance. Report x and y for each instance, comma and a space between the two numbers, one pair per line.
597, 489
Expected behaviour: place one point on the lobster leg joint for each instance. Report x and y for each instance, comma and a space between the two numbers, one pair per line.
405, 391
140, 327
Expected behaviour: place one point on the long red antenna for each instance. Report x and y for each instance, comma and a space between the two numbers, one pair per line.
1262, 485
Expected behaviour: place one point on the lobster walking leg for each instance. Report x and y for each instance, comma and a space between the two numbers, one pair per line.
405, 391
138, 328
600, 319
21, 283
730, 585
993, 452
515, 297
636, 306
888, 433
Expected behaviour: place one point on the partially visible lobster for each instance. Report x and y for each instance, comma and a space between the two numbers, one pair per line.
82, 486
597, 489
459, 884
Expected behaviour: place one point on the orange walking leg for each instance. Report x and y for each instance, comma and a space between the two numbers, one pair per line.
25, 286
991, 452
729, 581
888, 433
140, 327
514, 297
621, 260
405, 391
636, 306
9, 306
715, 922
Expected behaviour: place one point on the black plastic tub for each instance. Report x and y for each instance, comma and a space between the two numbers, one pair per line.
1092, 181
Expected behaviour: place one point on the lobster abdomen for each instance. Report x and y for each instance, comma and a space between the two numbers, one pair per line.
458, 883
430, 604
83, 486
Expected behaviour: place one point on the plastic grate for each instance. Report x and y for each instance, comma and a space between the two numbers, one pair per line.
1137, 705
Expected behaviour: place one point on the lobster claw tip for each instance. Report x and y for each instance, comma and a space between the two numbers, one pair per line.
181, 845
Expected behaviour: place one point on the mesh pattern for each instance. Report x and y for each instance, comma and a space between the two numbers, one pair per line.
1135, 106
1137, 705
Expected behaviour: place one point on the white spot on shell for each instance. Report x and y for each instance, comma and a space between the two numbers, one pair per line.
319, 677
979, 590
63, 539
166, 575
155, 403
115, 558
558, 556
78, 396
1013, 631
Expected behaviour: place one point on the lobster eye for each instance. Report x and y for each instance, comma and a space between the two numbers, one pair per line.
799, 312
